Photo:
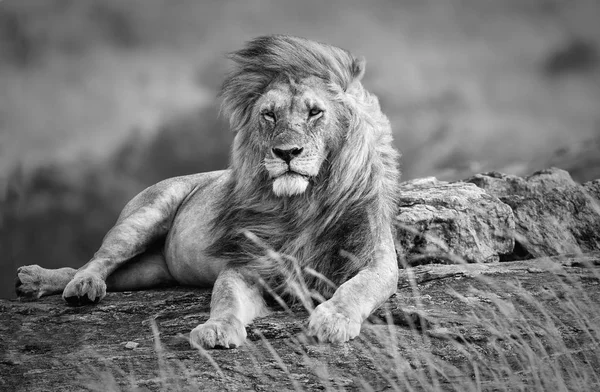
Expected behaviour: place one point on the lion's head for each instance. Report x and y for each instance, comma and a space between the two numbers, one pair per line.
297, 128
288, 102
313, 168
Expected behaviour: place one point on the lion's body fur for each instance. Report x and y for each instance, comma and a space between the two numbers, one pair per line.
308, 200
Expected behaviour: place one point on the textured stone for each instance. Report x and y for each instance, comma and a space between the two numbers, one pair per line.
452, 222
553, 214
593, 188
131, 345
470, 321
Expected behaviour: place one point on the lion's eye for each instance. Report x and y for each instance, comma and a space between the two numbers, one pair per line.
269, 116
314, 112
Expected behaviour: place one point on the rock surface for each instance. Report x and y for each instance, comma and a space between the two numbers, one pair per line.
553, 214
441, 221
504, 218
518, 325
593, 188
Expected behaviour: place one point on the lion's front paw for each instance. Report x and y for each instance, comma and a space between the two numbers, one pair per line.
219, 333
84, 289
329, 324
30, 281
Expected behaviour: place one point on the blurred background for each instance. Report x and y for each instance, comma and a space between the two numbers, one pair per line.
101, 98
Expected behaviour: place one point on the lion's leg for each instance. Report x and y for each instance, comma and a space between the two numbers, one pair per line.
236, 301
144, 271
145, 219
34, 281
340, 318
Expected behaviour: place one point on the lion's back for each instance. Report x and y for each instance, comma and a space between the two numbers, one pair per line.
173, 190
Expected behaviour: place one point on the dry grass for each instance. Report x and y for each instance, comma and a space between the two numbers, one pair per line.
511, 336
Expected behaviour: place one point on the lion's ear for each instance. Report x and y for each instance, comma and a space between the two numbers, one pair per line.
358, 68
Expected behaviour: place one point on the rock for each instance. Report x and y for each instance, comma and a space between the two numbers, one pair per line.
131, 345
593, 188
553, 214
527, 325
455, 222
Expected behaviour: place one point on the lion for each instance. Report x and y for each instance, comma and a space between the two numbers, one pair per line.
305, 208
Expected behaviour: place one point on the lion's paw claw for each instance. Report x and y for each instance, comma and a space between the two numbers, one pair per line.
84, 289
328, 324
218, 333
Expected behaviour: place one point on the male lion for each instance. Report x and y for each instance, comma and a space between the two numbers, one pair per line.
306, 206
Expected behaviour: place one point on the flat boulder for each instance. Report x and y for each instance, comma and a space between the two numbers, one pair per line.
524, 325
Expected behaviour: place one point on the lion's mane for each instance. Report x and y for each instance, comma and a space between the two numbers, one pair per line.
335, 226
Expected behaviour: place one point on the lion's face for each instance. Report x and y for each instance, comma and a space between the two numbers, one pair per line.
298, 127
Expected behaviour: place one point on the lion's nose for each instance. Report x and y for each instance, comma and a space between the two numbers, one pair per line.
287, 154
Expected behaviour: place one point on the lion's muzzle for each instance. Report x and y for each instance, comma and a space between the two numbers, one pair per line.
290, 167
287, 154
